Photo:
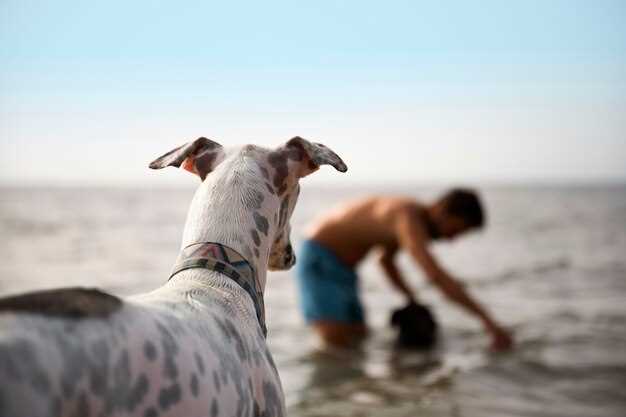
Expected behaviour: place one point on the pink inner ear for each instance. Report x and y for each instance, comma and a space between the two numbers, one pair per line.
307, 168
188, 164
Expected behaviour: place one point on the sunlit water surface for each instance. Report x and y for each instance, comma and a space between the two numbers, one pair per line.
551, 265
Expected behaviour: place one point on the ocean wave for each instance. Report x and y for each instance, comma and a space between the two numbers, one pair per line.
517, 274
15, 227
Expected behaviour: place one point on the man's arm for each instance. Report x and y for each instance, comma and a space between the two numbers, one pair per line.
412, 237
394, 275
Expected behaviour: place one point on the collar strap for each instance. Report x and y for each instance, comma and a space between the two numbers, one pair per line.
219, 258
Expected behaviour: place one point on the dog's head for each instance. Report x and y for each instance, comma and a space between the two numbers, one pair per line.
276, 173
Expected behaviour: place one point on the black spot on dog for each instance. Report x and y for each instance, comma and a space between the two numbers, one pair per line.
66, 302
214, 408
240, 345
216, 382
122, 393
261, 222
169, 396
199, 363
151, 412
265, 173
255, 237
255, 200
138, 392
278, 161
284, 208
149, 350
170, 350
269, 188
203, 163
194, 385
273, 399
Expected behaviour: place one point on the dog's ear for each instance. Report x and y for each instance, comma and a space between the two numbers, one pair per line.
199, 157
312, 155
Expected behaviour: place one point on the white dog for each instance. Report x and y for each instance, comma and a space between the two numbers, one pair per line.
194, 347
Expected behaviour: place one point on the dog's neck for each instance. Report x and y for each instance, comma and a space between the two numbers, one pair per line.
226, 209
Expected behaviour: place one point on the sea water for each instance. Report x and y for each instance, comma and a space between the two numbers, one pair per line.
550, 265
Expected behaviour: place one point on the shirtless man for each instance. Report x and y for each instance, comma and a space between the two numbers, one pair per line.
342, 238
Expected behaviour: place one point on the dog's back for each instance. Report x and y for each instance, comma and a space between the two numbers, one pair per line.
155, 355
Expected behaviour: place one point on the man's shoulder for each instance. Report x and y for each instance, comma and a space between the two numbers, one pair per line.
409, 215
392, 201
405, 206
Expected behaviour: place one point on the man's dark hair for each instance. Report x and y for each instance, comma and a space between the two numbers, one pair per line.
464, 203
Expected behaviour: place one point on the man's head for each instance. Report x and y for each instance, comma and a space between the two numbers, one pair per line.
456, 212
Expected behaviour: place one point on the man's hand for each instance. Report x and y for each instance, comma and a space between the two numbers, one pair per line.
501, 340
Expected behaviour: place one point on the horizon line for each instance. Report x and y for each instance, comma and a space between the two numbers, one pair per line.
393, 183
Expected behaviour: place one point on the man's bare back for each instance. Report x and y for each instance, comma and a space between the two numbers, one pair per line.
353, 229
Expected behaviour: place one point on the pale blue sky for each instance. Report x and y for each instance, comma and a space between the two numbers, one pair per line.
448, 91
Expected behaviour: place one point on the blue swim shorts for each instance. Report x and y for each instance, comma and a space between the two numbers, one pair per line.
328, 288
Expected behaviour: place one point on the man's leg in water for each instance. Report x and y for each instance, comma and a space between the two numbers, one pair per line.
347, 329
338, 334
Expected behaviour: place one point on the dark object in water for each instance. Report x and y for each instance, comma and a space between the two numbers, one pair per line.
66, 302
417, 326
